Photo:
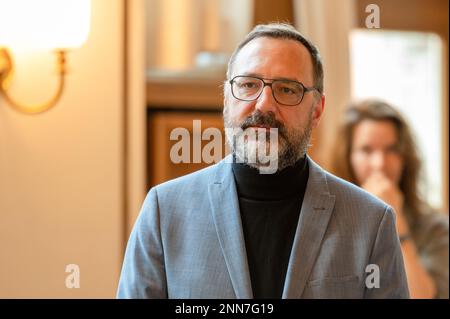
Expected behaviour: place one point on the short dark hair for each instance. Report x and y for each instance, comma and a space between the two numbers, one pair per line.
288, 32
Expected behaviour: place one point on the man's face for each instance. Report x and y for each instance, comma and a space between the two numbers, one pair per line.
270, 58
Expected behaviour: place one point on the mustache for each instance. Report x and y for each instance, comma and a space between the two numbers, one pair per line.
264, 119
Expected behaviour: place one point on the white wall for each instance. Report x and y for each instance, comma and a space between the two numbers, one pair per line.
61, 187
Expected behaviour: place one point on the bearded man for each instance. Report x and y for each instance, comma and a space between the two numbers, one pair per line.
265, 226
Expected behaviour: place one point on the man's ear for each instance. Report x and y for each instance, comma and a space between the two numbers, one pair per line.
225, 93
318, 108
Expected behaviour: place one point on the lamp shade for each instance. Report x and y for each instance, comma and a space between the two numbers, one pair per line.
47, 24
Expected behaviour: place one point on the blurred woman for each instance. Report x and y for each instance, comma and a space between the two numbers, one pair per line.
375, 150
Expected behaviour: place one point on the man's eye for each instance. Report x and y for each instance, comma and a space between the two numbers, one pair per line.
247, 85
287, 90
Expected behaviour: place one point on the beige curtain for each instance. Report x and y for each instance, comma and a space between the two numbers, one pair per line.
327, 24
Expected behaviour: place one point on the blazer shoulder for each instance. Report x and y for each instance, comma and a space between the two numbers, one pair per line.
197, 180
350, 193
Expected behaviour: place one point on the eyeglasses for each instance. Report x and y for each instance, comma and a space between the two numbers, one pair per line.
285, 92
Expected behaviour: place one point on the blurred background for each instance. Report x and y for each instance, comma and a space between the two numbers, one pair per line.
72, 179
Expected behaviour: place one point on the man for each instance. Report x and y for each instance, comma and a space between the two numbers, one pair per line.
235, 231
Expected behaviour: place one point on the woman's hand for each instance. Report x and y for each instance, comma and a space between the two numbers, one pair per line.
382, 187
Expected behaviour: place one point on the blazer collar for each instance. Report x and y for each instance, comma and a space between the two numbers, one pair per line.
227, 220
315, 214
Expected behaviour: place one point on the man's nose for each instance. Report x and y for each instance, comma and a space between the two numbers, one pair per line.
266, 102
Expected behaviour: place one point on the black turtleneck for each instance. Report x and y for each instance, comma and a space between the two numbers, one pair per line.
270, 207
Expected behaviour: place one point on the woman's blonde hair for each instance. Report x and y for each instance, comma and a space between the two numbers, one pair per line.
378, 110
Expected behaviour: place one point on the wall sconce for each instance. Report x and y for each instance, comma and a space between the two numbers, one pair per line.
58, 25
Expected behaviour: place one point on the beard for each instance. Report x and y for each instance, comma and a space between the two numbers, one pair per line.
292, 144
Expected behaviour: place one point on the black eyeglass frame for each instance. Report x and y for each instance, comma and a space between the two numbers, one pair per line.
305, 88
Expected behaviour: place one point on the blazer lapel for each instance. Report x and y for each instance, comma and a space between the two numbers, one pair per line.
227, 220
315, 214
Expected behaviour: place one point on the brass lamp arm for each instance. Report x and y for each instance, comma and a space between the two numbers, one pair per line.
6, 69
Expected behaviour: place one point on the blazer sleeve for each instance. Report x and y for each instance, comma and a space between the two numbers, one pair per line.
433, 250
143, 274
387, 255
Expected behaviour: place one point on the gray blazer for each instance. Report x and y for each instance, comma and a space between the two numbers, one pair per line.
188, 242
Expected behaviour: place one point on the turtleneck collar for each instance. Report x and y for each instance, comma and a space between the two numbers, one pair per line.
283, 184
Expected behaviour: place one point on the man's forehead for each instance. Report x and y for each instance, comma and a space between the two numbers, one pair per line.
285, 56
